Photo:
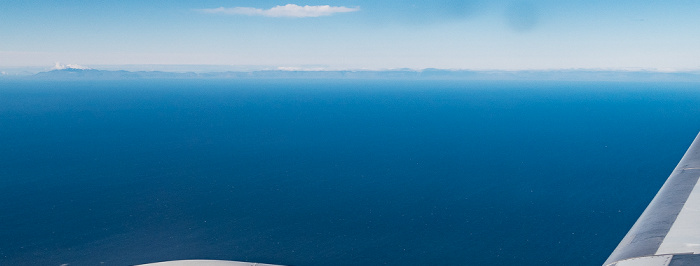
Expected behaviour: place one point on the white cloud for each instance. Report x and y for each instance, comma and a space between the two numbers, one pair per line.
59, 66
289, 10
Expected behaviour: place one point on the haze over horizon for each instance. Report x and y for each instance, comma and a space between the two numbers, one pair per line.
355, 34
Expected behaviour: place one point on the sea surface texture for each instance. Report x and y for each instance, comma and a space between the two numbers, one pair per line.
332, 172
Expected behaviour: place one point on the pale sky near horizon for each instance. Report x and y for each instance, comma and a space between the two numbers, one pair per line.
355, 34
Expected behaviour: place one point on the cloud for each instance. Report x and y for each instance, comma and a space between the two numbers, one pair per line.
59, 66
288, 11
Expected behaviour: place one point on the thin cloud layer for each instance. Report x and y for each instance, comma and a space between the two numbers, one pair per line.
59, 66
289, 11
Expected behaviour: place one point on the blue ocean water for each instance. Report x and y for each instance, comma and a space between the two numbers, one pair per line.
332, 172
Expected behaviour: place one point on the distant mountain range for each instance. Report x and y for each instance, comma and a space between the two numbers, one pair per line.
401, 74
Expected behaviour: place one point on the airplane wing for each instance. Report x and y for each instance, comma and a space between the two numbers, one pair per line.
668, 232
205, 263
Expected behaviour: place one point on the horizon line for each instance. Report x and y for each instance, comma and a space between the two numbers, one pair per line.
213, 68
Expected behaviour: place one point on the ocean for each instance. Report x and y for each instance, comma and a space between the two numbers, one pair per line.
332, 172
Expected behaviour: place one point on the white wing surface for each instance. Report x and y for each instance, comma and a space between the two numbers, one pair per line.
205, 263
668, 232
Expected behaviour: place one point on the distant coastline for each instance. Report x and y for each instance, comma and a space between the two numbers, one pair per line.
69, 73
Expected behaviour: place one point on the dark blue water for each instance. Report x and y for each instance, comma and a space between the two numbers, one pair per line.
332, 172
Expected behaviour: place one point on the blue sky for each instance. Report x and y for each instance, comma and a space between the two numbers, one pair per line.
355, 34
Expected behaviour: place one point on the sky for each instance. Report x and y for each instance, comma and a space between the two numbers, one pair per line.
354, 34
